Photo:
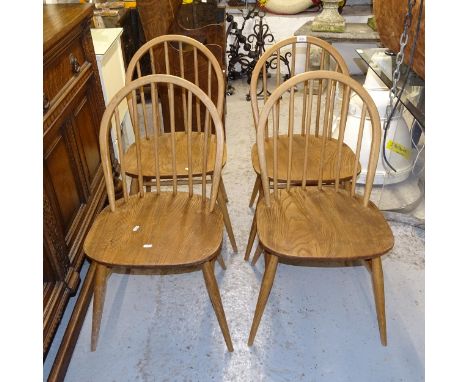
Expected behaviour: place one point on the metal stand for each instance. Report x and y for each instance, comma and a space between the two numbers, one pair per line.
242, 64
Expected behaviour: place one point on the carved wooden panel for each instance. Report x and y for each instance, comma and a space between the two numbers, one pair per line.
61, 169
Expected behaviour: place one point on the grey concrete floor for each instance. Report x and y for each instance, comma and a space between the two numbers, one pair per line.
319, 323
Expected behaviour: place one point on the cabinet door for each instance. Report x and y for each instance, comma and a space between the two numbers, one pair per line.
63, 179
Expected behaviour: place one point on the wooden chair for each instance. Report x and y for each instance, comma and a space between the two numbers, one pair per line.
161, 229
301, 223
171, 54
325, 56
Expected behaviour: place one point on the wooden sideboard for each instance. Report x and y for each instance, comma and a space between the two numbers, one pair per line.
73, 182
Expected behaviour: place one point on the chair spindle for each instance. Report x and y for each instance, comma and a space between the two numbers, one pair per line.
182, 74
310, 87
156, 133
343, 118
121, 152
305, 91
189, 145
197, 101
143, 102
173, 139
136, 130
358, 150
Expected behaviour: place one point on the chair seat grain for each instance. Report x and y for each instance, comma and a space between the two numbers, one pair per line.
313, 157
165, 156
173, 230
322, 225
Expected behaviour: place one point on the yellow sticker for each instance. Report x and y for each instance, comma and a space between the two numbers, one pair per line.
399, 149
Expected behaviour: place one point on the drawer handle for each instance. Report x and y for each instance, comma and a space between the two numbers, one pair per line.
45, 103
75, 65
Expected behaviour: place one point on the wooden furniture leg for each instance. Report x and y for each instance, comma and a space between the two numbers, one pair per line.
378, 286
253, 233
133, 186
368, 265
257, 254
227, 221
267, 282
100, 277
215, 297
257, 184
222, 188
220, 260
148, 187
70, 336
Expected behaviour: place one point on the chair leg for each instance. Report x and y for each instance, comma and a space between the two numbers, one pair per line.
379, 295
368, 265
100, 277
134, 186
223, 190
215, 297
257, 184
148, 186
258, 252
267, 282
220, 260
347, 185
227, 221
253, 233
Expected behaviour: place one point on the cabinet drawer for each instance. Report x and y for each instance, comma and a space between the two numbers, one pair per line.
62, 68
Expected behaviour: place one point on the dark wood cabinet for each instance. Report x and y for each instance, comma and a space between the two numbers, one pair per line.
73, 183
200, 20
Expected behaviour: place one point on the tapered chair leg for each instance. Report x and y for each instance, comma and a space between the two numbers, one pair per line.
253, 233
257, 184
100, 277
379, 295
267, 282
227, 221
220, 260
134, 186
257, 254
215, 297
223, 190
147, 186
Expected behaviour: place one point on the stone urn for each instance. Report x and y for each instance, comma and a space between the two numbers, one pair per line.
329, 20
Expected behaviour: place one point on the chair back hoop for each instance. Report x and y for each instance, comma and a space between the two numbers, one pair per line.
111, 115
369, 111
177, 53
327, 50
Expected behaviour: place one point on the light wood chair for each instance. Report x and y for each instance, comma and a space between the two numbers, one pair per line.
161, 229
187, 58
309, 224
315, 54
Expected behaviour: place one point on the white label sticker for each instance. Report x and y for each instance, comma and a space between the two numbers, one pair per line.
147, 245
301, 39
136, 228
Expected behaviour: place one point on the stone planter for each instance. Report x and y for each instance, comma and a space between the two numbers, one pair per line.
329, 20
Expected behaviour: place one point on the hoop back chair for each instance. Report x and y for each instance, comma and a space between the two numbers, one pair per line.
170, 54
324, 56
323, 222
161, 229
